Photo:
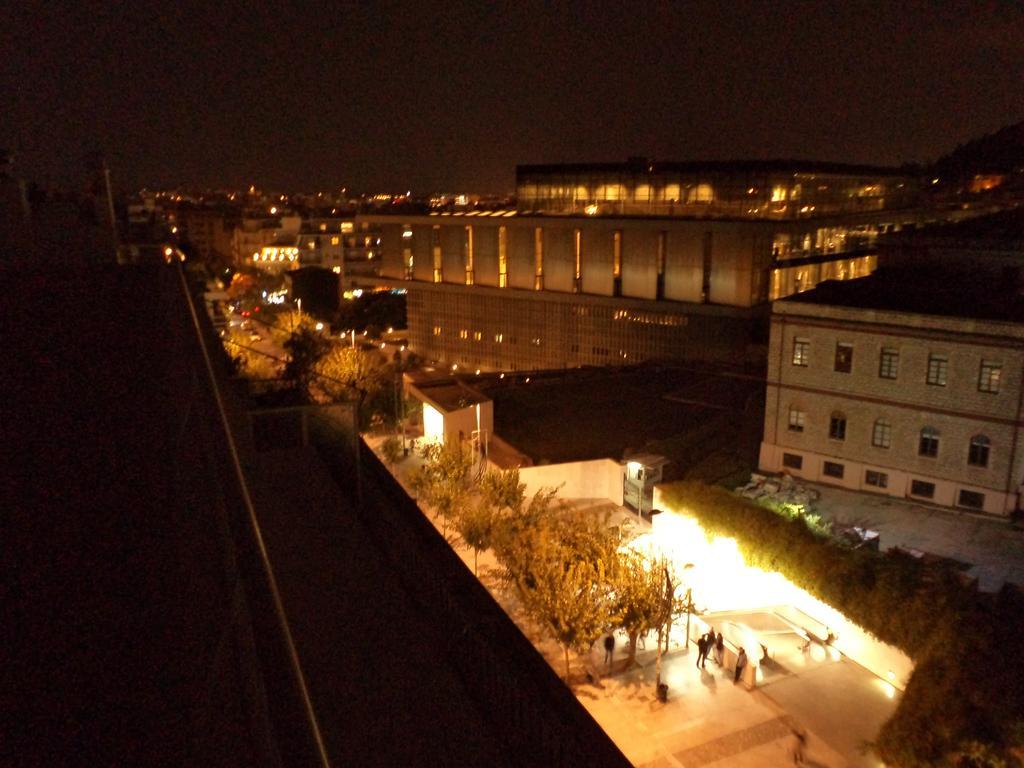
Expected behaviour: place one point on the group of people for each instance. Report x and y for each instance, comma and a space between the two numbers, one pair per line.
712, 644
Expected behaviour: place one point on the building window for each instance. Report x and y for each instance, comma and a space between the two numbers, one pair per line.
792, 460
977, 454
435, 244
577, 280
502, 257
988, 377
538, 258
922, 489
889, 364
837, 427
617, 264
971, 500
881, 434
437, 330
938, 368
876, 479
929, 445
796, 420
832, 469
335, 240
801, 352
844, 358
468, 246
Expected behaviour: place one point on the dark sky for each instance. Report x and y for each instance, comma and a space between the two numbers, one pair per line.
390, 96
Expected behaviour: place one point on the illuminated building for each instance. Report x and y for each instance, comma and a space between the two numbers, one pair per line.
619, 263
908, 383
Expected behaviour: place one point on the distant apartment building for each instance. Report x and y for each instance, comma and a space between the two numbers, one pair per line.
620, 263
348, 248
266, 241
208, 230
908, 383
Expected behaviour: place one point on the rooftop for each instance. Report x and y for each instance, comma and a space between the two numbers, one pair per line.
922, 292
779, 166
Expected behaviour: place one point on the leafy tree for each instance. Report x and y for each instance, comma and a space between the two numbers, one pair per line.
251, 362
287, 324
347, 373
443, 481
500, 494
639, 596
391, 449
305, 348
572, 603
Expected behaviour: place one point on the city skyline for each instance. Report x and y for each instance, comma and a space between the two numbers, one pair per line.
431, 99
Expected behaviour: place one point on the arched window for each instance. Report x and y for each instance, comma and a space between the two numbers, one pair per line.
881, 434
837, 426
977, 453
929, 444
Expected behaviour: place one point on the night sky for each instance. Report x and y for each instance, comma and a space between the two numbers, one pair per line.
449, 97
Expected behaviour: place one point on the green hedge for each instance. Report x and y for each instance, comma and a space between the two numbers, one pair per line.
968, 685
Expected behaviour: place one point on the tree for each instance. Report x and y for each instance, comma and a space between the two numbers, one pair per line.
639, 596
475, 524
443, 481
305, 348
287, 324
347, 373
391, 449
571, 603
251, 362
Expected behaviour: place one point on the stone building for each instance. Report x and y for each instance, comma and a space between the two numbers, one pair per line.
908, 382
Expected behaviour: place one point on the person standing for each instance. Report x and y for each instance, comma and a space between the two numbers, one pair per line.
702, 649
609, 649
741, 664
719, 650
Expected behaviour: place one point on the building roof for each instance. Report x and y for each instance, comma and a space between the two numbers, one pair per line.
779, 166
924, 292
447, 393
1003, 230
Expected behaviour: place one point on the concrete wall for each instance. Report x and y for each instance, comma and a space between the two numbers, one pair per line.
596, 479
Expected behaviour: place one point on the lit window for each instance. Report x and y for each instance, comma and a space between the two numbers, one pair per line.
889, 364
881, 434
796, 420
778, 194
477, 335
437, 330
844, 358
988, 377
346, 226
335, 240
977, 453
837, 427
538, 256
323, 227
502, 258
463, 334
801, 352
938, 369
929, 443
